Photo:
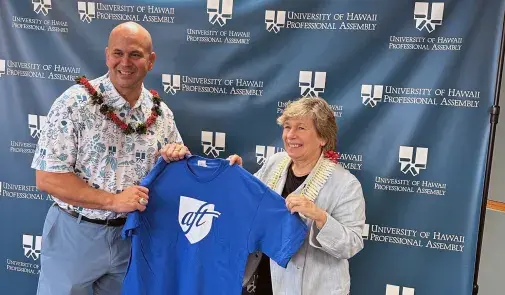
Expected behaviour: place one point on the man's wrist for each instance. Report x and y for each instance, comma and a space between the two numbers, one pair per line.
108, 201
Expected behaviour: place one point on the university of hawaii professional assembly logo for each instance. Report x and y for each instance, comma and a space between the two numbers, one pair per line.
351, 161
373, 95
21, 191
87, 11
36, 124
38, 71
337, 109
263, 152
365, 234
220, 29
427, 17
398, 290
312, 84
219, 11
41, 6
2, 67
31, 246
174, 83
140, 156
277, 20
90, 11
412, 161
213, 143
196, 218
171, 83
408, 237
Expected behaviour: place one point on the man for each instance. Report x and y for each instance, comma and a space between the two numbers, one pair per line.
90, 163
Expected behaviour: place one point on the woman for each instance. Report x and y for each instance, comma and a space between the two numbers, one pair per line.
325, 194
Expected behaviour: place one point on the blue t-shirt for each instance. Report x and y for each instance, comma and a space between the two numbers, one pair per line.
203, 219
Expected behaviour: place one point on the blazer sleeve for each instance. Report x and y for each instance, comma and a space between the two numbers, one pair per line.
341, 234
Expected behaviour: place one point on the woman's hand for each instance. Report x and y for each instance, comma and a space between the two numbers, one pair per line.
235, 159
302, 205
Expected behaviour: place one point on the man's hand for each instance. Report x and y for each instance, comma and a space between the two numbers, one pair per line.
131, 199
302, 205
174, 152
235, 159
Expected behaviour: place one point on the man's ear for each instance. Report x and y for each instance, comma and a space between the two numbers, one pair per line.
152, 58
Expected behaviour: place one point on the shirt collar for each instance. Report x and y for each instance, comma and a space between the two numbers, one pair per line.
115, 100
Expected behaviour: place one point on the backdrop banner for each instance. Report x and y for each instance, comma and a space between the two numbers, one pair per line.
410, 83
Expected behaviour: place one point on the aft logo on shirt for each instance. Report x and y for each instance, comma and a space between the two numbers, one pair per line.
195, 218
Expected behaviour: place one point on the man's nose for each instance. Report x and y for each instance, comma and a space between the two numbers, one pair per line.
125, 60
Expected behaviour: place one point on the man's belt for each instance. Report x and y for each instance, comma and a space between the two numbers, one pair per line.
109, 222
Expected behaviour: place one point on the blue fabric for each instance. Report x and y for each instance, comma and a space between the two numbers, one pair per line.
200, 226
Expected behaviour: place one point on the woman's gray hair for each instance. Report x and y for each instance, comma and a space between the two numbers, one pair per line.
322, 115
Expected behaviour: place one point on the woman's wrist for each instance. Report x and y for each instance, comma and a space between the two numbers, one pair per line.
322, 218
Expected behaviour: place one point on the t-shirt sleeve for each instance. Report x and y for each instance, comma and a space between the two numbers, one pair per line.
275, 231
132, 222
134, 218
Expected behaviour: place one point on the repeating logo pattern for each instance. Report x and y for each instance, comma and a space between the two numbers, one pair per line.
171, 83
428, 16
398, 290
41, 6
275, 20
32, 246
213, 143
2, 67
366, 232
371, 94
219, 11
140, 156
312, 84
263, 152
87, 11
36, 124
412, 159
